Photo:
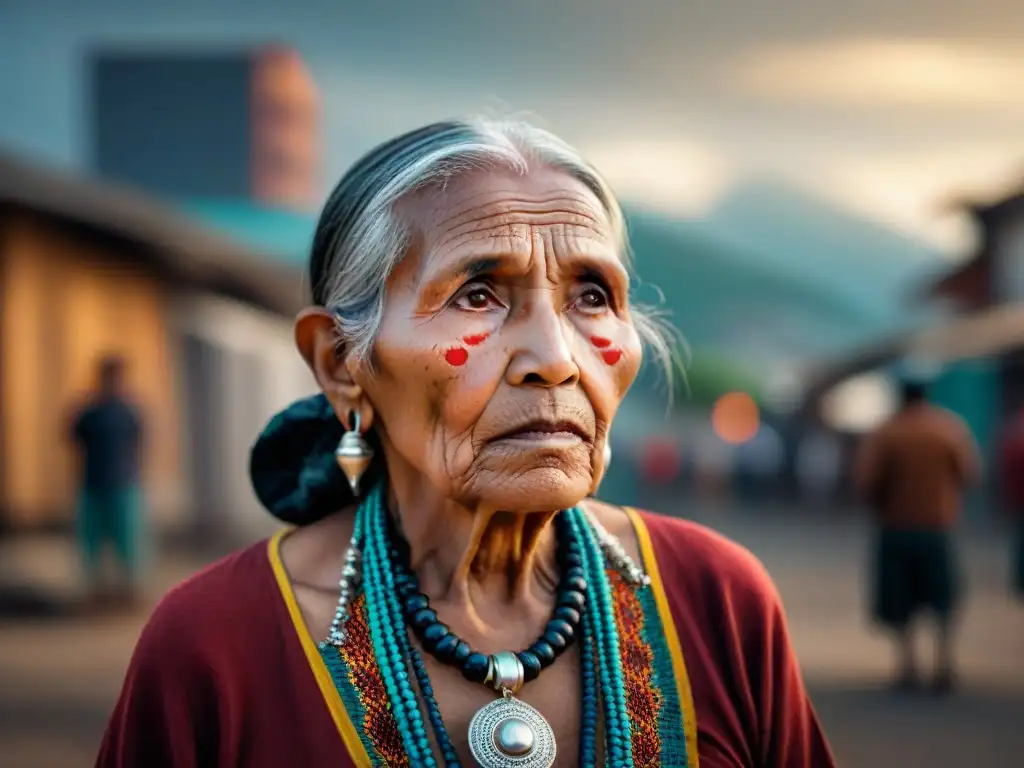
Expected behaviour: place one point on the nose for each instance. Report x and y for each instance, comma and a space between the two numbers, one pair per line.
543, 356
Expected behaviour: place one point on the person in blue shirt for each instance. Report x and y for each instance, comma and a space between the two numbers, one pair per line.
108, 434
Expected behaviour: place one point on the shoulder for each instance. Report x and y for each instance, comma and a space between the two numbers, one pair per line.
693, 554
199, 622
695, 563
82, 412
955, 425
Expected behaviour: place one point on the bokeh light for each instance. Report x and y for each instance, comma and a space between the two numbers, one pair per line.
661, 461
736, 417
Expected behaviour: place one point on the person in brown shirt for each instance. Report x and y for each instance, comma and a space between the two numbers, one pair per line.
913, 471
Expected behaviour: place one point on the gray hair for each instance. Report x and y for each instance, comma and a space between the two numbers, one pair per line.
360, 239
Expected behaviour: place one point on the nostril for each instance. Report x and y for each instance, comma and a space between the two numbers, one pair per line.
533, 378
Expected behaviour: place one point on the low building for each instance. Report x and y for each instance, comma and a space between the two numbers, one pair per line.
205, 323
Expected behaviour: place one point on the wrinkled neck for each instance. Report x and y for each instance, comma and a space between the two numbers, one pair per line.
462, 555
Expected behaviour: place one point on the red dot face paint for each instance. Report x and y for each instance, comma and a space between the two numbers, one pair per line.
477, 338
456, 356
600, 342
612, 356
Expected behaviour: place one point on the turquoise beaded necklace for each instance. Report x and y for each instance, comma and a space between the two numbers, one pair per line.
599, 647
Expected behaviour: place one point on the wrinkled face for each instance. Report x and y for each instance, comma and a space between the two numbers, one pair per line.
506, 344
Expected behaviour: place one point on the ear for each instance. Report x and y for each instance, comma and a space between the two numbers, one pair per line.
316, 336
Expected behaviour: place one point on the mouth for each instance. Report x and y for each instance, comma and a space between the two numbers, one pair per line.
542, 430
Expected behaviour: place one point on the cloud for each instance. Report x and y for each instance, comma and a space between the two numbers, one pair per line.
886, 73
911, 191
676, 174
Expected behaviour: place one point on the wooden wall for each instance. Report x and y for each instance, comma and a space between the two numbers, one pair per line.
69, 298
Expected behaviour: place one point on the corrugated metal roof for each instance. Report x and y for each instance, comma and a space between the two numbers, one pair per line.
285, 236
185, 248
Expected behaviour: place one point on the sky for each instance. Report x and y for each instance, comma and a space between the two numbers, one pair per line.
889, 109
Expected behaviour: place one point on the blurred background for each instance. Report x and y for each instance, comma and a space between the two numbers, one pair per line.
819, 197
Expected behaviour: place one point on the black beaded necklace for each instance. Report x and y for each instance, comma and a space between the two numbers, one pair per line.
559, 633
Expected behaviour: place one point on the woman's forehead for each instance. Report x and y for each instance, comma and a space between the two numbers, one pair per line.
480, 198
495, 214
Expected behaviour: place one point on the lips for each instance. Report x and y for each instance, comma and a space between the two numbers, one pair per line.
539, 429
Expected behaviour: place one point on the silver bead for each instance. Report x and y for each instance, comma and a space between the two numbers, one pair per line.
348, 585
506, 672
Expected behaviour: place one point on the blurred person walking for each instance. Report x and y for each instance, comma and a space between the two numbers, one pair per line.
1011, 456
913, 470
107, 432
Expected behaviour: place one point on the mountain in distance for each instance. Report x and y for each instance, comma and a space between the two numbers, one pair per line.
772, 274
799, 232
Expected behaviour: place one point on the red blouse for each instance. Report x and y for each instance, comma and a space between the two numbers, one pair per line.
226, 674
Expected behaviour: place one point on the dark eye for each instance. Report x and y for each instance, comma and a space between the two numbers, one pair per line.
476, 298
593, 298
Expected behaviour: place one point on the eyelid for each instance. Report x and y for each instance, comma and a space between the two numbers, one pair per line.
591, 282
475, 284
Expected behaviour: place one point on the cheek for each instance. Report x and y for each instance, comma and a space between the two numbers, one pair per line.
452, 382
618, 348
607, 351
616, 354
458, 355
628, 364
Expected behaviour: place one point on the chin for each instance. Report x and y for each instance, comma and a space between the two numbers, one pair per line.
538, 478
542, 489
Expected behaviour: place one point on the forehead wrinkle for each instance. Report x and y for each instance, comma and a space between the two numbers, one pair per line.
522, 204
513, 217
510, 236
500, 251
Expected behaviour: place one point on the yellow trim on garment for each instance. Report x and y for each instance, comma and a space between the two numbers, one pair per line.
349, 735
671, 636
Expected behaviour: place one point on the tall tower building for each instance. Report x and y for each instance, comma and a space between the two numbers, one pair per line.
217, 125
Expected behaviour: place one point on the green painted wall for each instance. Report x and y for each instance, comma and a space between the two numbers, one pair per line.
971, 389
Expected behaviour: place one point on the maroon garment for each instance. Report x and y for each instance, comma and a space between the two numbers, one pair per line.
752, 707
1011, 460
220, 677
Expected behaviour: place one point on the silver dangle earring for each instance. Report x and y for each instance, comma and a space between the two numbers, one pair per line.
354, 454
607, 455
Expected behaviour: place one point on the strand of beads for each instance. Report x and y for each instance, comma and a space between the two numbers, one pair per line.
385, 630
559, 633
616, 554
397, 583
451, 759
588, 687
348, 585
618, 733
386, 583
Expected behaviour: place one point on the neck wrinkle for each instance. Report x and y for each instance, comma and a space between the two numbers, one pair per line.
464, 555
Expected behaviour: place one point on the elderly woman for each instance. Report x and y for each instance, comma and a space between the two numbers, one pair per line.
449, 594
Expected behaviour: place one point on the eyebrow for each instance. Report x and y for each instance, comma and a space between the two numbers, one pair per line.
472, 266
437, 281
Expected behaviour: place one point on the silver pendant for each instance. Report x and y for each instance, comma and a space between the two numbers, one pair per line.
509, 733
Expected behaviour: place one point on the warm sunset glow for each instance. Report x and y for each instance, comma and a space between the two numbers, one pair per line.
675, 175
896, 72
736, 418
